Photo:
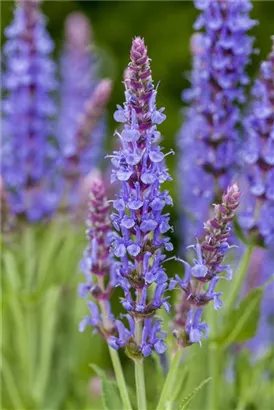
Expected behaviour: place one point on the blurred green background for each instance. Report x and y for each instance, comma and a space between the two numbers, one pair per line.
166, 27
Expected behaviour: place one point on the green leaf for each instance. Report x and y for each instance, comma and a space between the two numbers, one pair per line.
239, 232
10, 384
10, 271
110, 392
241, 323
30, 253
47, 336
187, 400
180, 386
158, 372
50, 245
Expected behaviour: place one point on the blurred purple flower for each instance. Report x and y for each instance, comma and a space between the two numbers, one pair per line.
93, 110
80, 89
209, 138
29, 152
257, 215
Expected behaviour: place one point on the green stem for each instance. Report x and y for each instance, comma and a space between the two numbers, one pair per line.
241, 405
214, 350
170, 380
140, 384
239, 278
118, 370
139, 373
214, 357
120, 378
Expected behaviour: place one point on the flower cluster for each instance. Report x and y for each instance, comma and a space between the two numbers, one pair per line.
97, 265
221, 53
258, 155
139, 220
81, 92
29, 154
205, 271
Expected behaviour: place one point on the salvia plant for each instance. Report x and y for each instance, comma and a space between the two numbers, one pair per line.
258, 156
210, 323
83, 98
221, 50
29, 153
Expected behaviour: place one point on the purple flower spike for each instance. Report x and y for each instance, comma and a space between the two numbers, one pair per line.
29, 152
138, 216
209, 138
93, 110
97, 266
257, 215
82, 122
198, 285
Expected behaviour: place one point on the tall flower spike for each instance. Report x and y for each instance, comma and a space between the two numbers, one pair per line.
29, 155
210, 137
80, 91
258, 153
138, 218
202, 276
97, 265
93, 111
199, 183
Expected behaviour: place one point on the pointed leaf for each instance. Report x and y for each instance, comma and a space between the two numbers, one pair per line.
47, 335
241, 323
110, 392
187, 400
10, 385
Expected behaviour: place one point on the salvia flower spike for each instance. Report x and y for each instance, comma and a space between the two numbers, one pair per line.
201, 278
82, 124
78, 78
97, 266
29, 154
258, 153
93, 110
221, 51
199, 182
138, 217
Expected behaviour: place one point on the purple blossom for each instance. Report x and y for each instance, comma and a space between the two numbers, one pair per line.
209, 138
201, 278
97, 266
194, 327
138, 217
81, 124
257, 215
29, 152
